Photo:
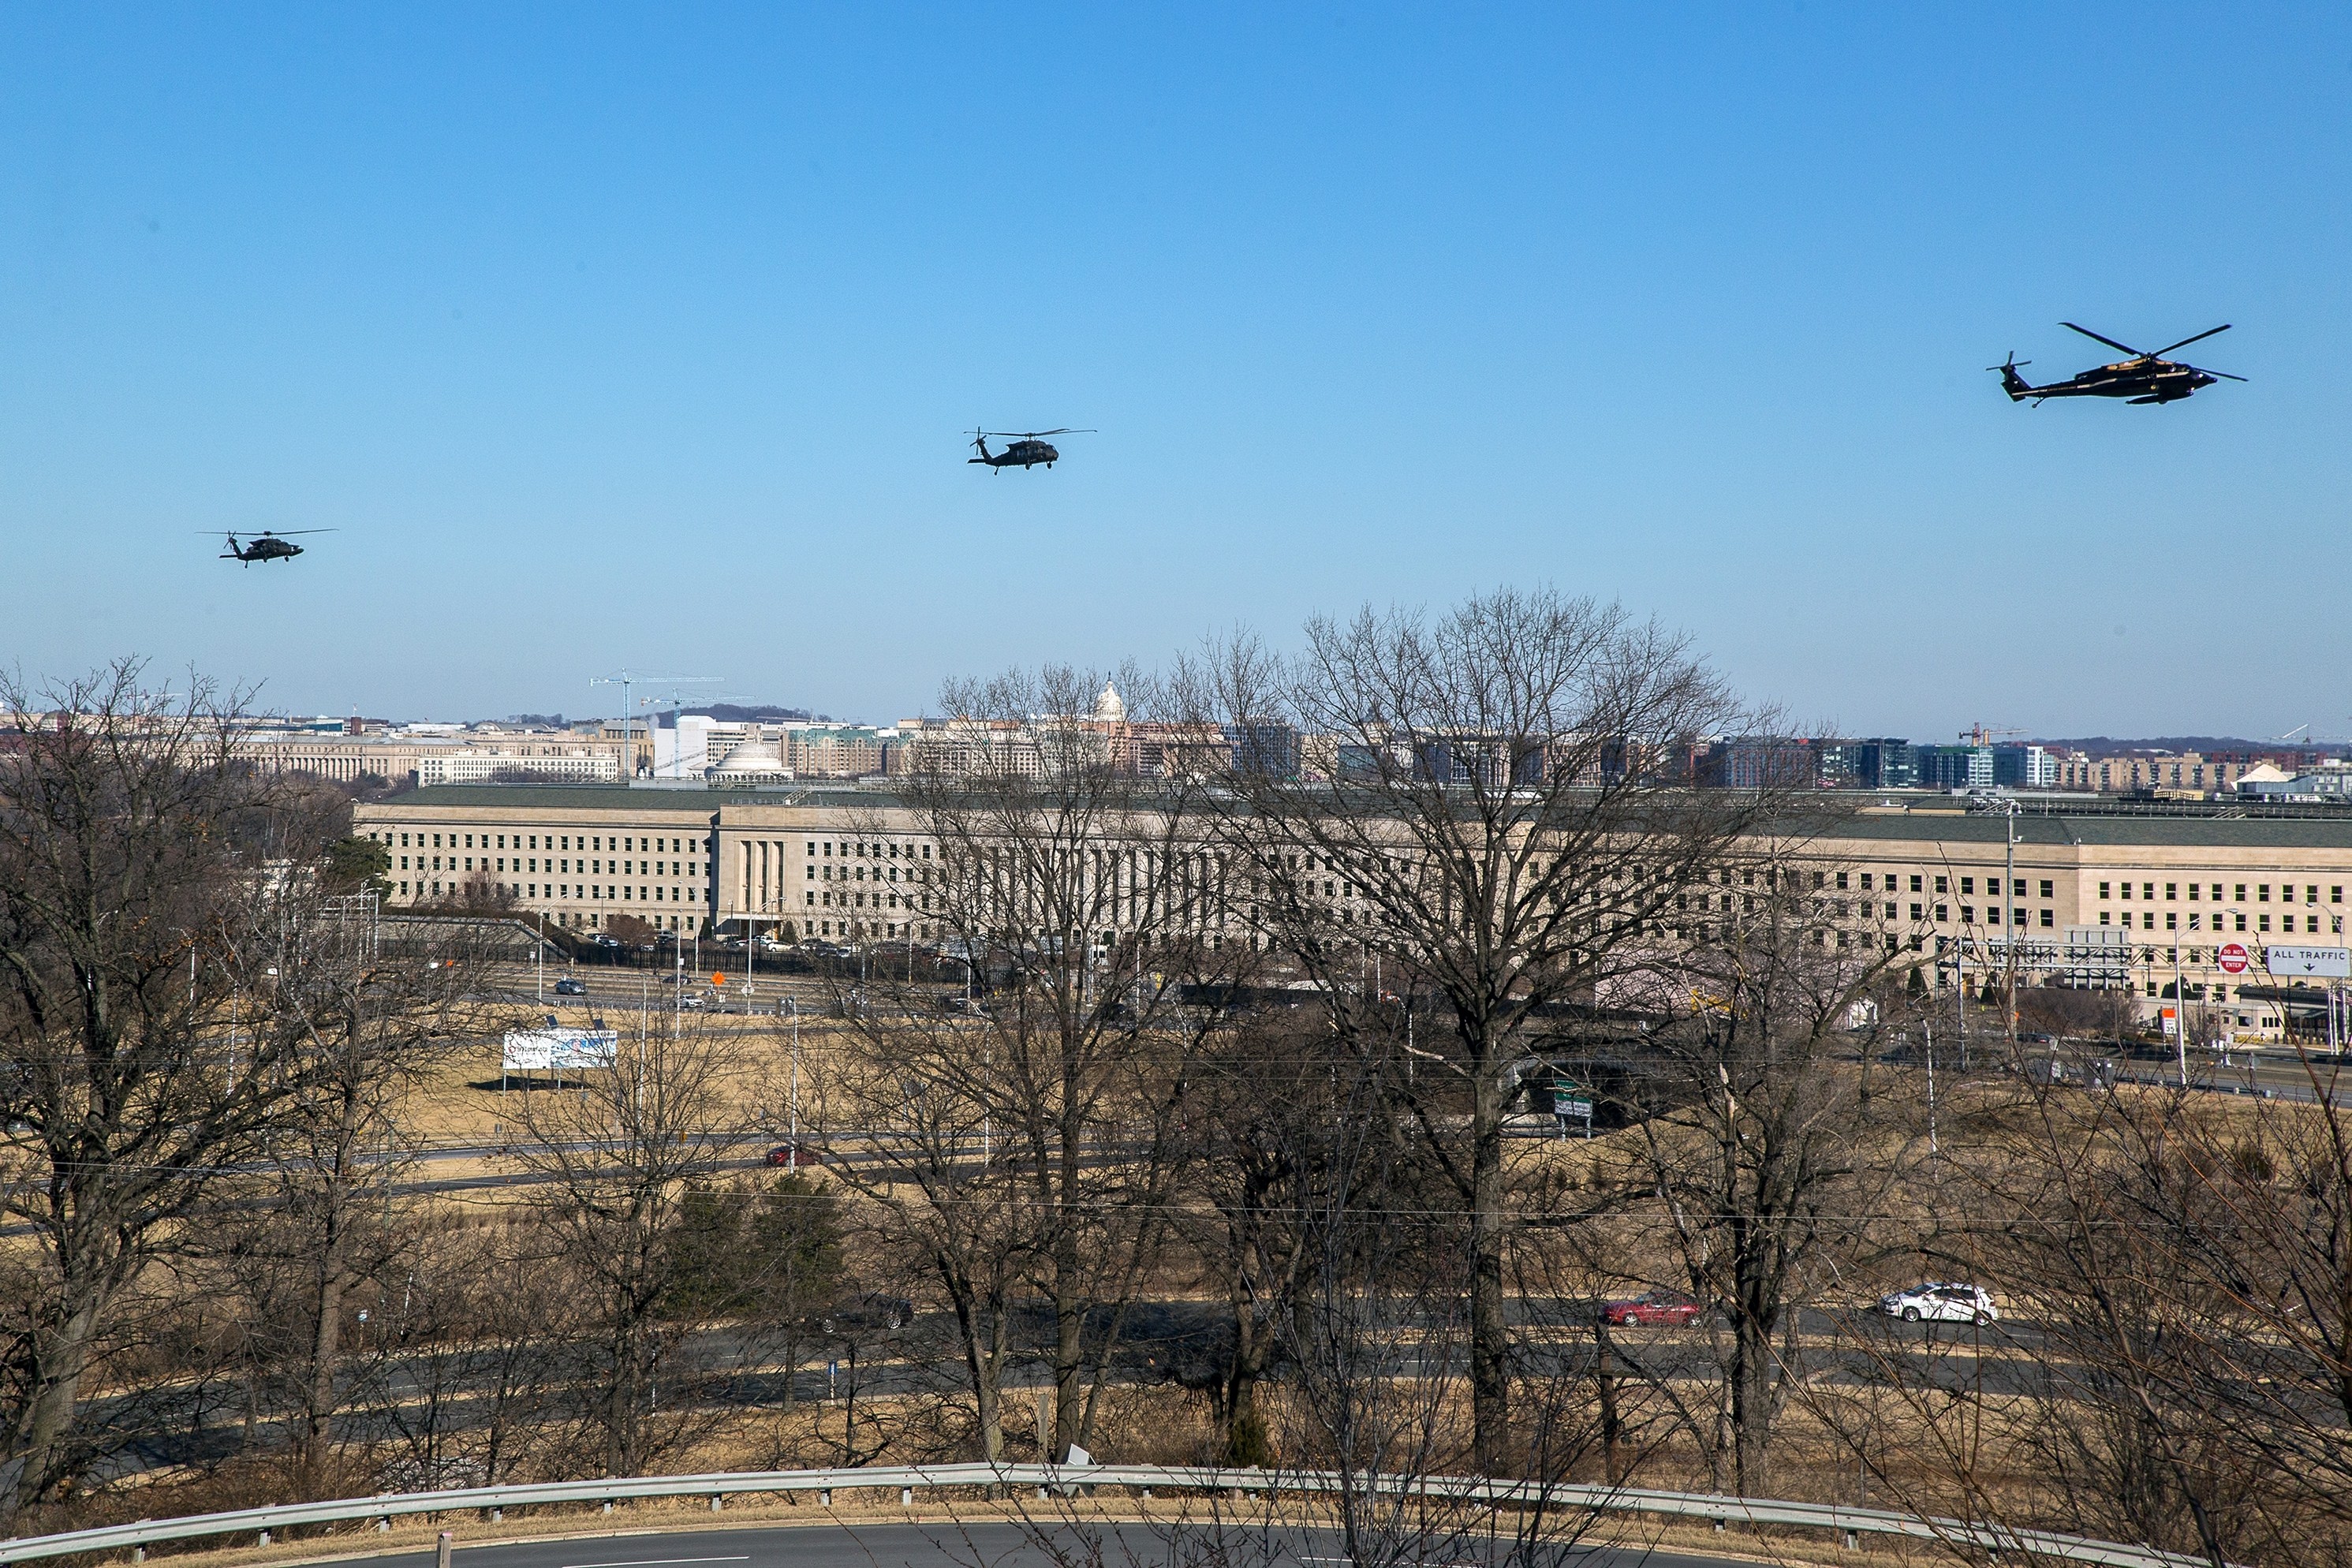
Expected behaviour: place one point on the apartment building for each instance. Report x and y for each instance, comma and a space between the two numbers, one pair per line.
2188, 773
2113, 899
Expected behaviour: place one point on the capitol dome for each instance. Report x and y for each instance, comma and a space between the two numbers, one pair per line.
1108, 708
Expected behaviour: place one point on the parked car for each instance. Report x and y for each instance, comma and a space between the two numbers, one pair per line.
1939, 1302
1652, 1309
869, 1311
568, 987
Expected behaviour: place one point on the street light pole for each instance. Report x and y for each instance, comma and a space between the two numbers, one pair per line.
793, 1006
2180, 1013
1961, 993
2009, 926
1928, 1029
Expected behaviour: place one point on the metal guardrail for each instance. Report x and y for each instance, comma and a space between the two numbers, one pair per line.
1995, 1539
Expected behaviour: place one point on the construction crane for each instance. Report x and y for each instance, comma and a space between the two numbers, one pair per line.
1982, 735
676, 704
624, 679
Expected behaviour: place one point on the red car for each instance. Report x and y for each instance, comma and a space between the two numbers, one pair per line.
1652, 1309
790, 1158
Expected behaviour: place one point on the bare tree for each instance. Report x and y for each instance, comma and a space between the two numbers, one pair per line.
326, 1222
2189, 1264
1282, 1100
944, 1206
1072, 886
617, 1149
1374, 1330
1497, 797
1772, 1147
471, 1356
147, 884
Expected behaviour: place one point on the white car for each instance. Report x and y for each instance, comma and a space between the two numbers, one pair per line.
1935, 1302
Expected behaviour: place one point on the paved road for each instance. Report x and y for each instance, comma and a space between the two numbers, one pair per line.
970, 1546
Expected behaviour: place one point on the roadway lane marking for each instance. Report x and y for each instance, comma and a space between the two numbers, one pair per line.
659, 1562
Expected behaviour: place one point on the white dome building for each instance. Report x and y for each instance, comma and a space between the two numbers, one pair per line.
752, 762
1109, 708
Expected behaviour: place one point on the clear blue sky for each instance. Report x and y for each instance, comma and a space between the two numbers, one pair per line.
642, 336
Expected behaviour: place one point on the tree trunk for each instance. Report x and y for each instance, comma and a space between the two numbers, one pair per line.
319, 1398
1246, 1439
335, 1278
1751, 1405
983, 1355
1490, 1334
1069, 1321
1612, 1426
26, 1472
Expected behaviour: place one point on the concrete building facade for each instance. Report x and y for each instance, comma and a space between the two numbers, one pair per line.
2123, 900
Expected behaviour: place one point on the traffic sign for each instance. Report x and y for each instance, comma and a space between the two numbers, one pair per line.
719, 979
2333, 961
2232, 958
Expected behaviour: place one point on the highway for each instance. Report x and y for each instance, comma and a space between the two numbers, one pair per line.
1182, 1342
990, 1545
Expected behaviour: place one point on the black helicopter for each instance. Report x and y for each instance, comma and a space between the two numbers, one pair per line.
268, 546
2145, 378
1028, 449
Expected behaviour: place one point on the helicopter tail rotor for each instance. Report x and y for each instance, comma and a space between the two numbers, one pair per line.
2016, 385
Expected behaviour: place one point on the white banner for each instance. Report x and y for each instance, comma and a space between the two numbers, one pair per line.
2334, 962
558, 1050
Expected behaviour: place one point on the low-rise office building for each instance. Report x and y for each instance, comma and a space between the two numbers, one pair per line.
2112, 898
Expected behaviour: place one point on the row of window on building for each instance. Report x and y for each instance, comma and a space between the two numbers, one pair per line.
673, 843
594, 867
2261, 892
2236, 916
625, 892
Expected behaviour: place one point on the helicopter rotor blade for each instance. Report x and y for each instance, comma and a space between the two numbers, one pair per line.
2186, 342
2111, 343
